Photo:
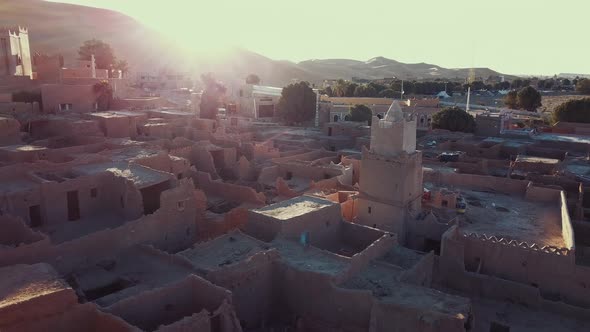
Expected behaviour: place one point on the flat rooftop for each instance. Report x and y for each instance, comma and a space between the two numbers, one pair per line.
21, 283
141, 176
511, 217
22, 148
135, 270
71, 230
531, 159
17, 184
109, 115
224, 250
310, 258
402, 257
382, 281
294, 207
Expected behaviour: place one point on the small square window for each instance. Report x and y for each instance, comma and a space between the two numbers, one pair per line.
369, 210
180, 205
93, 192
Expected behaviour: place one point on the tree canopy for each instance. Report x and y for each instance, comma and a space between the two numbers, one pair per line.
388, 93
365, 90
583, 86
252, 79
297, 103
575, 110
528, 98
511, 100
453, 119
103, 53
211, 97
361, 113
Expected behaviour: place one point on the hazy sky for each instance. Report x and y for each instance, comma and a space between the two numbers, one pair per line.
511, 36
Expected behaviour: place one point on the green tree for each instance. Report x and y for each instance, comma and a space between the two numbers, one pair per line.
340, 88
511, 100
365, 90
104, 95
529, 98
583, 86
388, 93
361, 113
377, 86
453, 119
211, 97
327, 91
103, 53
297, 103
350, 88
575, 110
502, 86
252, 79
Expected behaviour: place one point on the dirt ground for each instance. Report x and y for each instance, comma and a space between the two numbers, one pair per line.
551, 102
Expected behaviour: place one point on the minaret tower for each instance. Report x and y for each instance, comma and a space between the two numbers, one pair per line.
391, 174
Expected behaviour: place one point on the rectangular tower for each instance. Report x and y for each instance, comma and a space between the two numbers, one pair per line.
391, 174
15, 53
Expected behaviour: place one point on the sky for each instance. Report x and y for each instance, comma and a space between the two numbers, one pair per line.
540, 37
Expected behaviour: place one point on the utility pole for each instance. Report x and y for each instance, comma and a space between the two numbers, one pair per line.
401, 97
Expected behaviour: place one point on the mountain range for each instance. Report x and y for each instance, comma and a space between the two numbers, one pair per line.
62, 28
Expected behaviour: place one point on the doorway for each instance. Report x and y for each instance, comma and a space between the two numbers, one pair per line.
151, 196
35, 216
73, 205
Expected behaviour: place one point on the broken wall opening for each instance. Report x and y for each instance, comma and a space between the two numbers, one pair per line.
151, 196
73, 205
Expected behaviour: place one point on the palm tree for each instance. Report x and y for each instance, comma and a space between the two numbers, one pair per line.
104, 93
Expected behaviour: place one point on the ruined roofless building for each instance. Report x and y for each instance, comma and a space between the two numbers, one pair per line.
391, 174
15, 52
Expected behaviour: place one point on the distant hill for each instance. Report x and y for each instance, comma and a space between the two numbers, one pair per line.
381, 67
62, 28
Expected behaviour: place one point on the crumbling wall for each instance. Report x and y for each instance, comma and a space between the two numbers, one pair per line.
313, 297
111, 193
356, 168
79, 317
394, 317
203, 161
228, 191
567, 230
43, 294
170, 228
479, 182
212, 225
9, 131
283, 189
196, 322
268, 174
253, 287
305, 171
421, 273
541, 194
349, 209
16, 233
163, 306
